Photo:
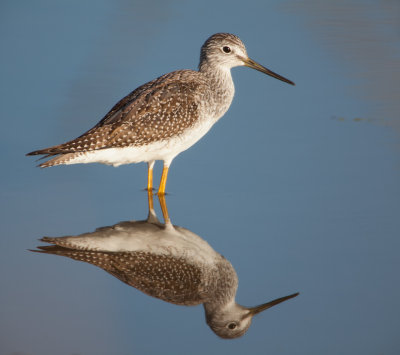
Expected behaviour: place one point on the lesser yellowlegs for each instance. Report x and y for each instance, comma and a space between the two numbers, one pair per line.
167, 262
164, 117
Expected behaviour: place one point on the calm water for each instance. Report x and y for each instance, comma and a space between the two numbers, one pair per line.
297, 186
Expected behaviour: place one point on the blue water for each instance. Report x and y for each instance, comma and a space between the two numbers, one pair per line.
297, 186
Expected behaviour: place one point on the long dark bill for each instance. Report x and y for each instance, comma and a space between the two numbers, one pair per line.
254, 65
263, 307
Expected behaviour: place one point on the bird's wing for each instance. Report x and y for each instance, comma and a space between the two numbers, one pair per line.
155, 111
165, 277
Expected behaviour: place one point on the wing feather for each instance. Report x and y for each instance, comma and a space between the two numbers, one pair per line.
165, 277
155, 111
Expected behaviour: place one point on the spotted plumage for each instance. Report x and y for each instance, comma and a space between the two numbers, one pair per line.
163, 117
171, 279
167, 262
166, 108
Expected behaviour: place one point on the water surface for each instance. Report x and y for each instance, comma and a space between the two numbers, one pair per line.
297, 186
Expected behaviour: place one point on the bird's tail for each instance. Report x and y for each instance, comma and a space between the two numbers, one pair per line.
55, 149
58, 160
57, 246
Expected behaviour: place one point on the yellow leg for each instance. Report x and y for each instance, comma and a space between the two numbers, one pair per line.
163, 182
164, 209
150, 178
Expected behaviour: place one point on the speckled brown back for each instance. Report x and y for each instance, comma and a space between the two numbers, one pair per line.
165, 277
158, 110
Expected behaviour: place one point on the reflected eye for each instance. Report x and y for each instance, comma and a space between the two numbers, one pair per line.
226, 49
232, 326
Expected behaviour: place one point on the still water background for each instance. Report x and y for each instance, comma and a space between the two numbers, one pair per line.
297, 186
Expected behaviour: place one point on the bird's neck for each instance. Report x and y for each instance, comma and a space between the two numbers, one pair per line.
221, 86
223, 287
214, 309
220, 76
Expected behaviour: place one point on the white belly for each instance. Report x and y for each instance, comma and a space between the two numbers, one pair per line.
165, 150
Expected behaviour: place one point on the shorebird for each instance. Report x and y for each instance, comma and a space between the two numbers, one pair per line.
163, 117
167, 262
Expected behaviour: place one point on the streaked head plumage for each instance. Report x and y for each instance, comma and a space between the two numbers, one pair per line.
223, 49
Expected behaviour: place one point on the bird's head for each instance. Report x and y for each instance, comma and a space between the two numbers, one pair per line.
226, 51
234, 320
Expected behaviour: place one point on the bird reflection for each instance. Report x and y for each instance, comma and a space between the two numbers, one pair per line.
167, 262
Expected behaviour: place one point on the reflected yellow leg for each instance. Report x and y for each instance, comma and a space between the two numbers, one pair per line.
163, 182
150, 199
164, 209
150, 178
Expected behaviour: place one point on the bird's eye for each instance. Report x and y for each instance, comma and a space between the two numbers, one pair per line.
232, 326
226, 49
